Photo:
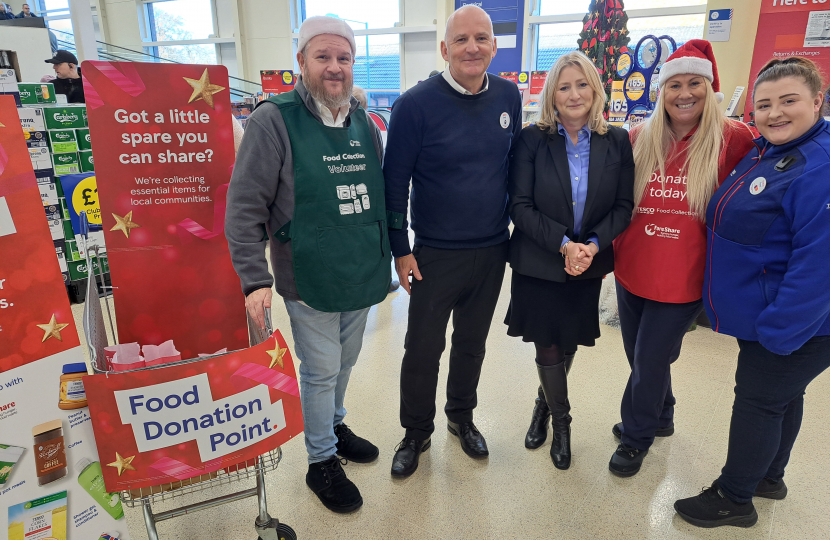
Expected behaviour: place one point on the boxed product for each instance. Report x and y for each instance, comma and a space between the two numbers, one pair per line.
60, 250
11, 90
84, 142
48, 193
67, 230
87, 165
63, 141
32, 119
78, 270
72, 253
40, 518
9, 455
41, 160
64, 208
69, 163
34, 93
65, 117
53, 211
36, 139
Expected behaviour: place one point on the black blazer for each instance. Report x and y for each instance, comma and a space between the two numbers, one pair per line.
541, 204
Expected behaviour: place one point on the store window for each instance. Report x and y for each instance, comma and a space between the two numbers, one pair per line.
181, 20
377, 66
555, 39
56, 13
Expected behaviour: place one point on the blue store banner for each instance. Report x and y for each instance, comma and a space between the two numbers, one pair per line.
508, 27
81, 192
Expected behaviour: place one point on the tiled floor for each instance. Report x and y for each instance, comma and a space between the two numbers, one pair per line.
517, 493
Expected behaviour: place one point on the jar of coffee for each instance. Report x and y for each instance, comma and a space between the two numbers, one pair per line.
50, 452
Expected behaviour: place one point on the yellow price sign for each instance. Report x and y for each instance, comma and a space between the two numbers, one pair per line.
85, 199
635, 86
523, 77
287, 77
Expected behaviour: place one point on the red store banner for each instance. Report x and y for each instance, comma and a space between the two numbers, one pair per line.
163, 425
35, 318
163, 159
790, 28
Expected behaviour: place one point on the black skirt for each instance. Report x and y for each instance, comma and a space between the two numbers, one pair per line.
552, 313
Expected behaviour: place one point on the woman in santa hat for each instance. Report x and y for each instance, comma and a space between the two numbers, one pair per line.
682, 154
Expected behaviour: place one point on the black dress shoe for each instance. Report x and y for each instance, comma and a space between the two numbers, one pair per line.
537, 433
407, 455
769, 489
660, 432
328, 481
627, 460
472, 441
354, 448
712, 509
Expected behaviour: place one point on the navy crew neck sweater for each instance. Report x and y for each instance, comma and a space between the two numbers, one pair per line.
454, 147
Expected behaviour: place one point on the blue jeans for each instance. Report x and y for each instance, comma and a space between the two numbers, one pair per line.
327, 345
766, 415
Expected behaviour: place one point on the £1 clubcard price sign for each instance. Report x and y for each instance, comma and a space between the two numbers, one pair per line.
163, 169
170, 424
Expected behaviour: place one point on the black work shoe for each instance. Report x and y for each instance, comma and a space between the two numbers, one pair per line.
627, 460
769, 489
537, 433
660, 432
352, 447
328, 481
472, 441
712, 509
407, 454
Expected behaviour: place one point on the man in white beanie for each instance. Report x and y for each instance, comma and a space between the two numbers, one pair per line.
308, 178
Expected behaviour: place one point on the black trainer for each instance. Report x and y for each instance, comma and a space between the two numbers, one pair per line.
770, 489
354, 448
661, 432
627, 460
713, 509
328, 481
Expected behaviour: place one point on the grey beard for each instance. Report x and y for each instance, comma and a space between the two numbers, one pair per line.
318, 92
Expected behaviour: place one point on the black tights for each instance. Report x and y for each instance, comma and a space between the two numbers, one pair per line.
550, 356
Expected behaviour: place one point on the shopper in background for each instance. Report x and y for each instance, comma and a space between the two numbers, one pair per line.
571, 180
682, 154
329, 227
68, 81
26, 12
767, 278
451, 135
6, 12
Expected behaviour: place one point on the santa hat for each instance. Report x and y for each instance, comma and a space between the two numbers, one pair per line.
694, 57
314, 26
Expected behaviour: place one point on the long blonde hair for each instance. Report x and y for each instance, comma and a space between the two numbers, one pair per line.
656, 141
547, 116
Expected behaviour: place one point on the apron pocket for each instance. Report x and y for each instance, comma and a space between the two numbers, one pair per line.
351, 253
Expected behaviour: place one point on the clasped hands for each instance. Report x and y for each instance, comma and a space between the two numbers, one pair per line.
578, 257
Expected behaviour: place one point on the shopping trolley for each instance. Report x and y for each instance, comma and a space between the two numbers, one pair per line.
267, 527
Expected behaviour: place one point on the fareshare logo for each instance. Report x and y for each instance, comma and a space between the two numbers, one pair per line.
650, 229
662, 232
175, 412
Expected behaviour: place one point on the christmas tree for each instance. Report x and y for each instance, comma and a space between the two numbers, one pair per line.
604, 38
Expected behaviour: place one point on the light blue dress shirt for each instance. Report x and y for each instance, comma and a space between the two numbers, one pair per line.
578, 155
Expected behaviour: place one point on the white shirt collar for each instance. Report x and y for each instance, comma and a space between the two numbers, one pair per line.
328, 119
448, 77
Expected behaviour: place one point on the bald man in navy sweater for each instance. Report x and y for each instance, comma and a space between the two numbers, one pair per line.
451, 135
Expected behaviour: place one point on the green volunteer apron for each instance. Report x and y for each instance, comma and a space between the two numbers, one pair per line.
339, 243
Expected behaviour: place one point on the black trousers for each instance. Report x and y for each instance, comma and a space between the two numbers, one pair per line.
465, 283
652, 334
766, 415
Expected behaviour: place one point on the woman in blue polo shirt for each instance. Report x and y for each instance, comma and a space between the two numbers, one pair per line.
767, 283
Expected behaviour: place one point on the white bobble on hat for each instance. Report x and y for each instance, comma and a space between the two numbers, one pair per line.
314, 26
695, 57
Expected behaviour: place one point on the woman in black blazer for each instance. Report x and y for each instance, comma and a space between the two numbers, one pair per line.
571, 185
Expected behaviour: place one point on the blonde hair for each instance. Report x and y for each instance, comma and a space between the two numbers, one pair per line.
656, 141
547, 116
360, 95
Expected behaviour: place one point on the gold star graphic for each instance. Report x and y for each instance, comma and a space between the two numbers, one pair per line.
124, 224
52, 329
202, 89
122, 463
276, 356
2, 125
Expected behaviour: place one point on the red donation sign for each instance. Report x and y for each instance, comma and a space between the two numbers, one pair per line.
35, 318
537, 81
162, 425
790, 28
277, 81
163, 162
510, 76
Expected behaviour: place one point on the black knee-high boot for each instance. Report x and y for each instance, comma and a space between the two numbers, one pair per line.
554, 381
537, 433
